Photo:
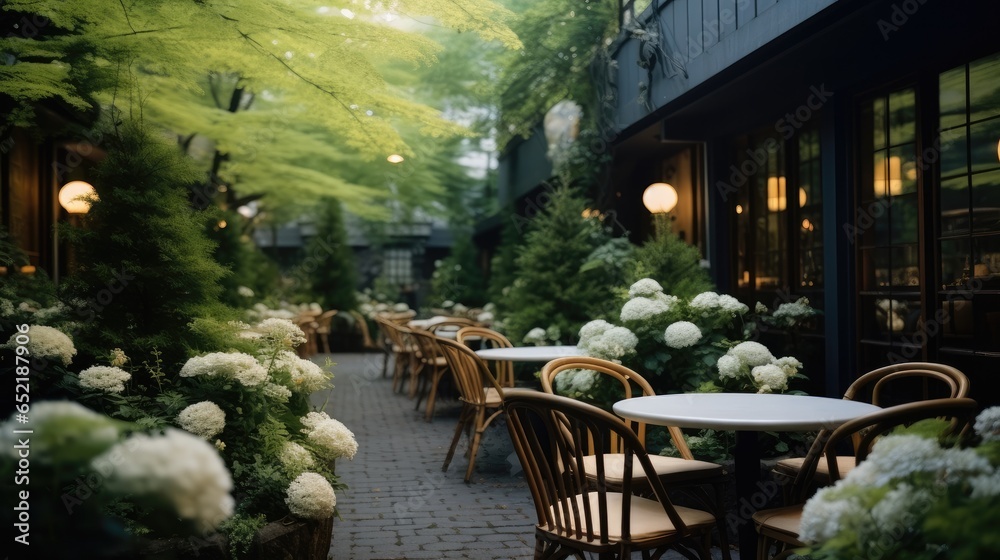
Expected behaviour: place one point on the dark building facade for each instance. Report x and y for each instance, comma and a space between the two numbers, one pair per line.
846, 151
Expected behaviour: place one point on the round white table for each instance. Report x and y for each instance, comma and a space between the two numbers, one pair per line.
529, 353
747, 414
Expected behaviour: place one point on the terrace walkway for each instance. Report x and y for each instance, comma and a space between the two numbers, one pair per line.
399, 505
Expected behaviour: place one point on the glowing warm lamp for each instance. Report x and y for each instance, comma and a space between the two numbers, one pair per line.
802, 197
776, 194
659, 198
75, 196
893, 168
395, 158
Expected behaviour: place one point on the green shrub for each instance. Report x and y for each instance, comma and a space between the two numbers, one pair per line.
675, 264
334, 275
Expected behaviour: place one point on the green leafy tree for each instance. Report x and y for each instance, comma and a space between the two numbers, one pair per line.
248, 266
550, 289
334, 279
146, 269
459, 278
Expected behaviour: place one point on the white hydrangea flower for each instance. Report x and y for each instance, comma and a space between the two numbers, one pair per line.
752, 353
535, 336
789, 365
231, 365
458, 308
901, 455
244, 291
704, 301
732, 305
296, 458
400, 307
118, 357
204, 419
682, 334
894, 513
177, 467
729, 366
313, 419
54, 424
988, 424
306, 376
760, 308
614, 344
6, 307
770, 376
484, 317
646, 287
794, 311
826, 514
986, 485
279, 393
310, 496
104, 378
46, 342
575, 382
642, 308
592, 330
333, 440
282, 331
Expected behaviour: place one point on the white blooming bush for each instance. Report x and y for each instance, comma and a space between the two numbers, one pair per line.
915, 496
213, 443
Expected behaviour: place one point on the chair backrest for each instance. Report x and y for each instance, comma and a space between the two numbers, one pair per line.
324, 320
625, 377
503, 370
864, 431
547, 432
427, 344
908, 382
400, 317
398, 334
470, 372
362, 325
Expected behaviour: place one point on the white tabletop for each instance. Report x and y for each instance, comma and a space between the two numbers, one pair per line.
743, 411
529, 353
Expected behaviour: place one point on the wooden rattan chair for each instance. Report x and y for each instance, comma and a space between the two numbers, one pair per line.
886, 386
431, 367
403, 350
779, 527
480, 394
503, 370
323, 329
308, 325
551, 436
672, 471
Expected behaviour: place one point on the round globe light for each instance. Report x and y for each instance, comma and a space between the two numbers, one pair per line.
659, 198
76, 196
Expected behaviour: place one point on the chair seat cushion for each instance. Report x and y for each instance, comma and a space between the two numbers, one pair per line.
493, 397
647, 518
782, 523
669, 469
792, 466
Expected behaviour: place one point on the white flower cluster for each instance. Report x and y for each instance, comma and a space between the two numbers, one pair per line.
245, 292
329, 437
231, 365
708, 302
6, 307
46, 342
795, 311
682, 334
988, 424
613, 344
310, 496
574, 383
279, 393
647, 287
56, 424
846, 506
643, 308
306, 376
535, 336
296, 458
753, 359
118, 357
204, 419
104, 378
281, 331
176, 467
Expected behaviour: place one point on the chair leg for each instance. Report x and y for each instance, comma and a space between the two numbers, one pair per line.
463, 419
476, 439
385, 364
324, 340
720, 519
398, 372
438, 374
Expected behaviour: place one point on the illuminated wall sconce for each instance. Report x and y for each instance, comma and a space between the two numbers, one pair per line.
76, 197
659, 198
27, 270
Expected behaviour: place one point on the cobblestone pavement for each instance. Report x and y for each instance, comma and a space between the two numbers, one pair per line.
399, 504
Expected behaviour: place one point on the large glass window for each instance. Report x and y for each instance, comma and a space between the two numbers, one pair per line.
969, 237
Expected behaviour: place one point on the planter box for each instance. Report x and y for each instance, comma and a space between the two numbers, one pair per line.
286, 539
